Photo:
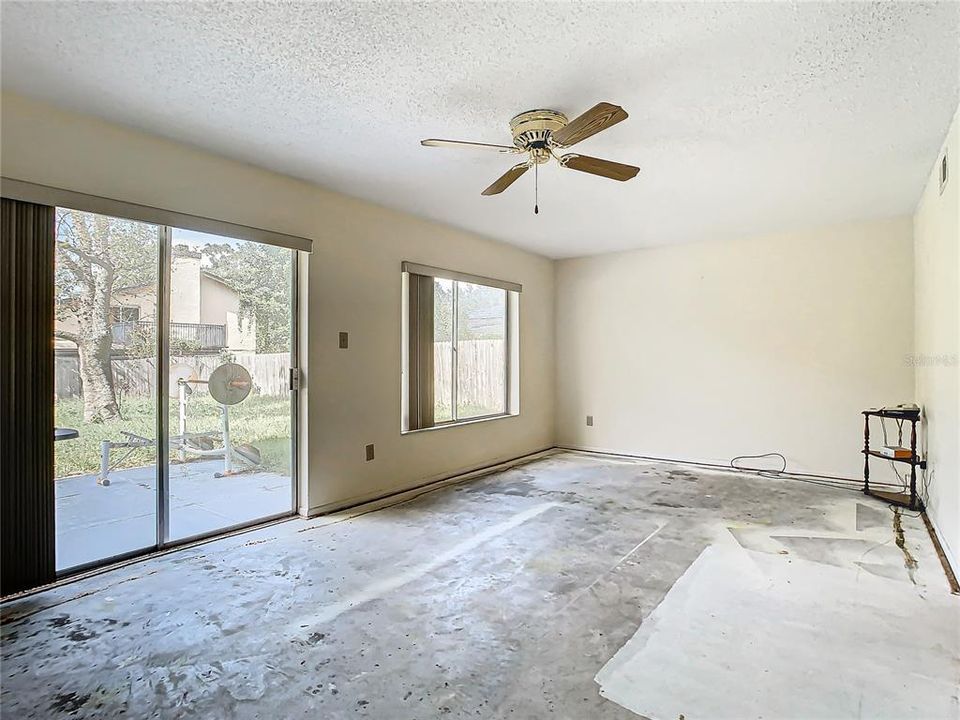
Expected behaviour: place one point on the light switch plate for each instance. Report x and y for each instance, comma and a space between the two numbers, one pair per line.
589, 420
369, 452
344, 341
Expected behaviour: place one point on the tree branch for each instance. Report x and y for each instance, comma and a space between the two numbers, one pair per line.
81, 272
87, 257
64, 335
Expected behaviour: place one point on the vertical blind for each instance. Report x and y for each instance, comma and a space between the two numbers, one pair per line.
420, 333
27, 511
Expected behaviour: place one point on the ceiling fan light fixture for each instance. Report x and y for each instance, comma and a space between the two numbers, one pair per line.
534, 128
537, 133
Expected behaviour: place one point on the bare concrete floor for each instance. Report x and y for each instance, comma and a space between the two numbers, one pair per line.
502, 597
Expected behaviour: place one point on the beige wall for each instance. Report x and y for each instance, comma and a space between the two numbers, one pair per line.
352, 396
144, 298
936, 236
184, 286
706, 351
220, 305
216, 300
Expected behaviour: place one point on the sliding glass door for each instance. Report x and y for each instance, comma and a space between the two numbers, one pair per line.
105, 405
211, 318
231, 342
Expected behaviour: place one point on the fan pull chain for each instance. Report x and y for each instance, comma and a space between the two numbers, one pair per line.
536, 189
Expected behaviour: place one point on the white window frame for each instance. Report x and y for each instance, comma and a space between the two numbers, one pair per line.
511, 399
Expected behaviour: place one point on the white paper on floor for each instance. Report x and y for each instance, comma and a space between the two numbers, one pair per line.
744, 635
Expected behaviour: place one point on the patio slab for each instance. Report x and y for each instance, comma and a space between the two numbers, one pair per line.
96, 522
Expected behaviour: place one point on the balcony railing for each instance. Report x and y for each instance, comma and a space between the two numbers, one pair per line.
203, 336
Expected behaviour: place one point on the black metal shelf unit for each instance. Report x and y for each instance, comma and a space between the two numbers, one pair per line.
911, 415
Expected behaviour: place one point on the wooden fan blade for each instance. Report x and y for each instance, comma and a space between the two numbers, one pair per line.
596, 166
599, 117
506, 180
434, 142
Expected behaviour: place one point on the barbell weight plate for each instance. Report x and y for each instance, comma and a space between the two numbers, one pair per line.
229, 384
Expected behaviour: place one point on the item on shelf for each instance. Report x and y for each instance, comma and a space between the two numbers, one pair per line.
894, 451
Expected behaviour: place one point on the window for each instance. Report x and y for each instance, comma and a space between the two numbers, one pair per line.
459, 348
124, 314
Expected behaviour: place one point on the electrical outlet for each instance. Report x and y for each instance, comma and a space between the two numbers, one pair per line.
589, 420
343, 341
369, 452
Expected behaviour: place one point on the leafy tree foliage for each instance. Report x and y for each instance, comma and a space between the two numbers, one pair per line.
96, 255
100, 257
480, 311
261, 274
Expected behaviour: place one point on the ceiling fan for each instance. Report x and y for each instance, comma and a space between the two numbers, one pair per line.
539, 133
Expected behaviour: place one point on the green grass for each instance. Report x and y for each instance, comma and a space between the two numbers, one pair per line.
442, 412
261, 421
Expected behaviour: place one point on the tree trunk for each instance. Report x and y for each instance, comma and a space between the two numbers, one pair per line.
99, 400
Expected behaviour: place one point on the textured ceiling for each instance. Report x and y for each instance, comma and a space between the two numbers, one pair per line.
745, 118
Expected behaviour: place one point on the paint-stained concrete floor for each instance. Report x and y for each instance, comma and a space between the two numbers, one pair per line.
501, 597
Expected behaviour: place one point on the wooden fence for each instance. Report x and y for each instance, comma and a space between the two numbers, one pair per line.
481, 370
481, 373
136, 377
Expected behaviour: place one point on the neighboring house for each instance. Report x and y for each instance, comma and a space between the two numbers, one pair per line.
204, 310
